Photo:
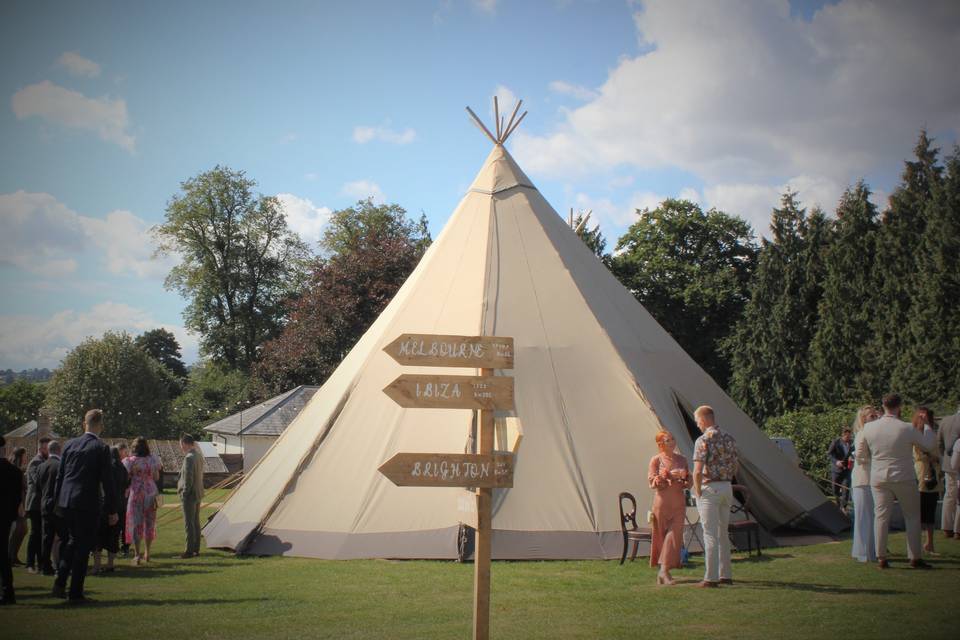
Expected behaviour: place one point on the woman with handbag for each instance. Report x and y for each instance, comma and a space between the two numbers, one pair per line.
927, 466
668, 475
142, 499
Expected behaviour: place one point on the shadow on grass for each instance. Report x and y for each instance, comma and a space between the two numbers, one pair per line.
817, 588
767, 557
97, 603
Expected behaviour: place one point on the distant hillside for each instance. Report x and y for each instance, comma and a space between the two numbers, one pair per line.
30, 375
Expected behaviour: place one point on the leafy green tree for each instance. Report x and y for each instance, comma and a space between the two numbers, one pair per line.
848, 303
691, 270
898, 244
20, 402
371, 251
113, 374
163, 346
769, 349
239, 262
930, 368
212, 393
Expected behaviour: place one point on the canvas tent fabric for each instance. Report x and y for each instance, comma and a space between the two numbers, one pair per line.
595, 378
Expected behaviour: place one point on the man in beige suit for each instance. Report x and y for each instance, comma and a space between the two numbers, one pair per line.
190, 489
887, 446
949, 433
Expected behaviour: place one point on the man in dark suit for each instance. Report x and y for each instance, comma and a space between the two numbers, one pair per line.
11, 508
33, 506
52, 525
84, 471
841, 459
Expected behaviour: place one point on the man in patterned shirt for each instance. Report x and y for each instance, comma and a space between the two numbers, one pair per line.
714, 464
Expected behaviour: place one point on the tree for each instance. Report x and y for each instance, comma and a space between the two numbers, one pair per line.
113, 374
845, 310
20, 402
769, 349
212, 393
162, 346
691, 270
239, 262
901, 234
930, 368
371, 251
593, 238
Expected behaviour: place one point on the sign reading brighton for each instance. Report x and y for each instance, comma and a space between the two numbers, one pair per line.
414, 391
452, 351
450, 470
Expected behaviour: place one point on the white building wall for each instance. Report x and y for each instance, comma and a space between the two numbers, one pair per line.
253, 449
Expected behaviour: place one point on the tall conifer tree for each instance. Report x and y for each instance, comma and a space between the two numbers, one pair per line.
845, 310
929, 369
769, 348
898, 245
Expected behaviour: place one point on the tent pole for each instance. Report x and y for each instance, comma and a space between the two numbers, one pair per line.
481, 554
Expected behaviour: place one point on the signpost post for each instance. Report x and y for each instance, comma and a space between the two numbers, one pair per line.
484, 470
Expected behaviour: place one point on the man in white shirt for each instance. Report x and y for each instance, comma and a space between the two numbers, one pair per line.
888, 448
950, 517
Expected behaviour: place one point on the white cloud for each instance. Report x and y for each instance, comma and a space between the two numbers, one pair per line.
362, 189
487, 6
42, 235
78, 65
841, 95
50, 102
304, 217
573, 90
35, 341
288, 138
363, 135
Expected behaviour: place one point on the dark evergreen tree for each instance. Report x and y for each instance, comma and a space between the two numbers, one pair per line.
847, 305
593, 238
769, 349
929, 370
898, 245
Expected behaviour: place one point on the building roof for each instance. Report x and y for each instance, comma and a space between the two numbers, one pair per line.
268, 418
27, 430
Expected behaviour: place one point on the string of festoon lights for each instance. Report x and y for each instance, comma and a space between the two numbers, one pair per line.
202, 410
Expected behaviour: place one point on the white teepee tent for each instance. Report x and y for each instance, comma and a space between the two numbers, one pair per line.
596, 378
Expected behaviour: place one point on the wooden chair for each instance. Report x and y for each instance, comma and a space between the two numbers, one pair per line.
628, 526
744, 521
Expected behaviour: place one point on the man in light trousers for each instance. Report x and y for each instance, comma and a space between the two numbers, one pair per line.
948, 436
190, 489
715, 461
888, 448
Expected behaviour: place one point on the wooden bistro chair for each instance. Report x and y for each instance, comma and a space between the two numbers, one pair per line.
740, 519
628, 526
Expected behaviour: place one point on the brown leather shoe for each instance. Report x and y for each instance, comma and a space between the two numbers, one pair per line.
706, 584
920, 564
947, 534
883, 564
726, 580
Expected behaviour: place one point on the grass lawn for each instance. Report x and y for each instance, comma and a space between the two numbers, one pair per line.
798, 592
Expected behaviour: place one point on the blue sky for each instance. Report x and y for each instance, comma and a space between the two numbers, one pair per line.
107, 107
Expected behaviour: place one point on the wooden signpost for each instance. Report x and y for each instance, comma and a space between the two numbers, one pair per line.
484, 470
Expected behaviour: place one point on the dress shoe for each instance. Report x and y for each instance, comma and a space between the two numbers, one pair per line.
79, 600
32, 570
947, 534
58, 591
726, 580
883, 564
706, 584
920, 564
187, 554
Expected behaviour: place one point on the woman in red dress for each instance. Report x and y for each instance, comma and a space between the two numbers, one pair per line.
668, 476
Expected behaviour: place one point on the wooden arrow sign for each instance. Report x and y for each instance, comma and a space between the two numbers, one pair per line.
449, 470
452, 351
414, 391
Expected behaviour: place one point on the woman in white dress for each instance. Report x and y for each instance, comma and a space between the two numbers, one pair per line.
864, 548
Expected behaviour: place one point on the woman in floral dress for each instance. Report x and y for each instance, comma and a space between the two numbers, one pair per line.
141, 519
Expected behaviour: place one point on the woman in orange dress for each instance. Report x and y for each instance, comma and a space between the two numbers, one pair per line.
668, 476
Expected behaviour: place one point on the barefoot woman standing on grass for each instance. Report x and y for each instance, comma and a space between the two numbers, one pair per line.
144, 470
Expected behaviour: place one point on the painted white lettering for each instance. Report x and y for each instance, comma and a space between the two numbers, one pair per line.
416, 469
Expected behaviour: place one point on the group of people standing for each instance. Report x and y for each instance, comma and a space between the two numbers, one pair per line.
86, 499
893, 460
715, 462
